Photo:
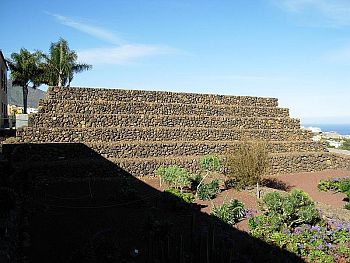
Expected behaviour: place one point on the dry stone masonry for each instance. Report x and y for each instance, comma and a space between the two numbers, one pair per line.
141, 130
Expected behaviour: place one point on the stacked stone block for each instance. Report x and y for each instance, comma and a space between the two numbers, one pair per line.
141, 130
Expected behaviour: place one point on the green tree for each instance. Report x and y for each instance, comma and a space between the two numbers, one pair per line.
61, 64
26, 71
209, 163
173, 175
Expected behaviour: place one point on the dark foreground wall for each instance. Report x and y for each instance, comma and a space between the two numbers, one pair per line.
78, 207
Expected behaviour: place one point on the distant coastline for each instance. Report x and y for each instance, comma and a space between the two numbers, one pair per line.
342, 129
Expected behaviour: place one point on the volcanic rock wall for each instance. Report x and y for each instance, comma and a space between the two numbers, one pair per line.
141, 130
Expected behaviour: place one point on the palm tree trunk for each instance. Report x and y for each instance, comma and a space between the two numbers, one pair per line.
59, 81
25, 98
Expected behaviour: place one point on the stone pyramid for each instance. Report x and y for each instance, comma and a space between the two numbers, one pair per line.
141, 130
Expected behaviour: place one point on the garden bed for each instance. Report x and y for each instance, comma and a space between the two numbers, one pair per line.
331, 203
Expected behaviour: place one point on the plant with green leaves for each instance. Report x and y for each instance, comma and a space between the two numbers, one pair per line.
337, 185
293, 223
229, 212
346, 145
290, 210
26, 71
208, 191
195, 180
61, 64
184, 197
325, 241
174, 176
209, 164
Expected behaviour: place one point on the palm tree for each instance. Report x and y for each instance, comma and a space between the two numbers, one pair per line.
26, 70
61, 64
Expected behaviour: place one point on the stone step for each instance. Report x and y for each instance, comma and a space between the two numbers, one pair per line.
100, 167
94, 94
114, 134
280, 163
138, 120
187, 148
135, 149
71, 169
155, 108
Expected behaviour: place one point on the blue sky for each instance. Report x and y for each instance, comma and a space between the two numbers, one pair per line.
295, 50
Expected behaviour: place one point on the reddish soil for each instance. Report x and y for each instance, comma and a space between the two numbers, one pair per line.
247, 197
307, 181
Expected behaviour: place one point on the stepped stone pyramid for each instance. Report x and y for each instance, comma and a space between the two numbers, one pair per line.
141, 130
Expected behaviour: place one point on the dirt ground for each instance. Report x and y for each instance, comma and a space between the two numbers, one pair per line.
307, 182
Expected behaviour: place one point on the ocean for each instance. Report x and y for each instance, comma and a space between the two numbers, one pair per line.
343, 129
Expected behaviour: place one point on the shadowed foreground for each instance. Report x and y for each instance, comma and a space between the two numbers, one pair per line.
80, 207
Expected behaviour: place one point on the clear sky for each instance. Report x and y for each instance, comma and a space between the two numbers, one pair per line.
295, 50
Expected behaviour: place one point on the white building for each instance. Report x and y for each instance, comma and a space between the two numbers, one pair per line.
335, 144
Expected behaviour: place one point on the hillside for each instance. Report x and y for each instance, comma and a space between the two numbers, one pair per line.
15, 96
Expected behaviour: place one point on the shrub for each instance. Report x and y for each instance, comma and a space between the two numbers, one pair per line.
346, 145
291, 210
248, 164
208, 164
164, 176
344, 185
174, 176
337, 185
292, 222
324, 242
347, 206
195, 180
184, 197
229, 212
230, 183
328, 185
208, 191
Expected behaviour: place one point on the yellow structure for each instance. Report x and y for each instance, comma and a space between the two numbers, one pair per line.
13, 110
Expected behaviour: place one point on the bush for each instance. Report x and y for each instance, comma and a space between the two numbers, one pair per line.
347, 205
210, 163
248, 164
344, 185
291, 210
230, 183
346, 145
174, 176
336, 185
208, 191
324, 242
229, 212
184, 197
328, 185
292, 222
195, 181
